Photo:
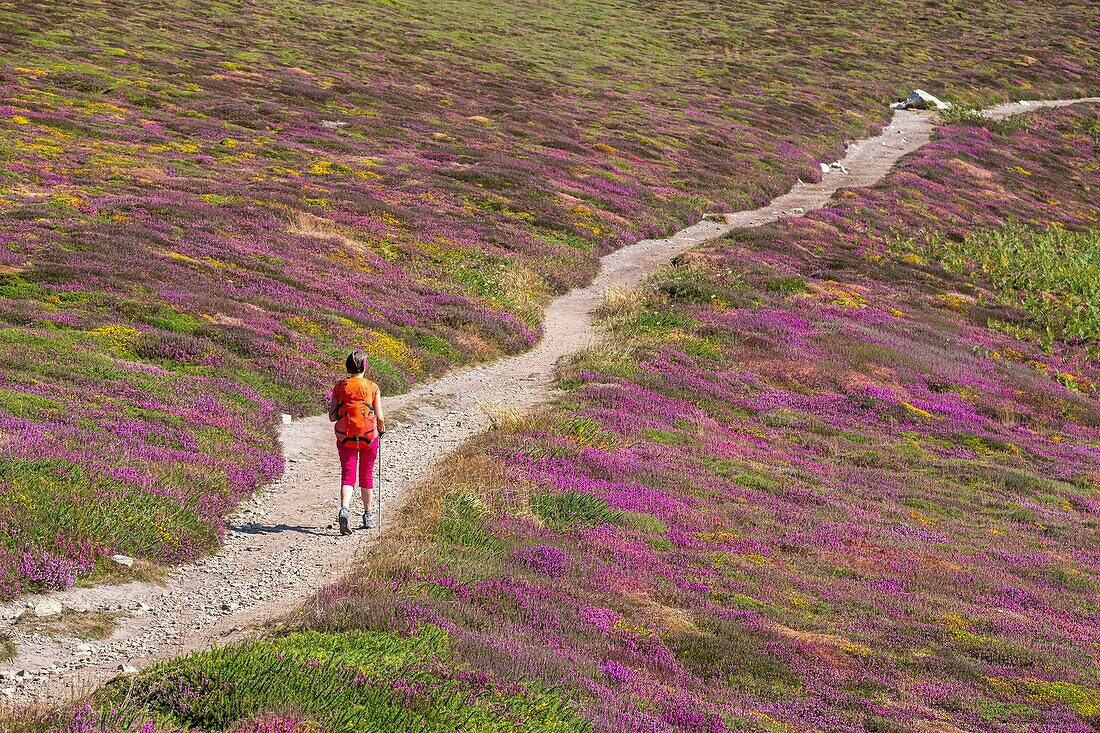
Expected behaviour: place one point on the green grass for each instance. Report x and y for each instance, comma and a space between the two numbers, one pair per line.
667, 437
1051, 274
69, 504
792, 284
462, 522
736, 656
7, 648
562, 510
350, 682
643, 522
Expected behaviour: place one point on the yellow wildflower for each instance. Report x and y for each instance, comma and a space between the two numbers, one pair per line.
117, 336
916, 410
391, 348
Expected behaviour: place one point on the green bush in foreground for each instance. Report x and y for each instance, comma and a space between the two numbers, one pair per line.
347, 682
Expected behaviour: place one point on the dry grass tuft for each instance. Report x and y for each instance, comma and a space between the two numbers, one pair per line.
671, 618
141, 571
70, 624
311, 225
503, 417
620, 302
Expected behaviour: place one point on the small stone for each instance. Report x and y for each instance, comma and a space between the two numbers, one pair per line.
287, 419
126, 669
48, 607
921, 99
123, 560
332, 125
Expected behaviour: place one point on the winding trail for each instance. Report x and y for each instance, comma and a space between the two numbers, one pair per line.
281, 545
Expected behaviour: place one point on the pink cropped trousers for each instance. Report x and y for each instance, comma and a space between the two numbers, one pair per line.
359, 455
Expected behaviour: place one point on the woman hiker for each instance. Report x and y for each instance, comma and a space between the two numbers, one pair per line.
356, 408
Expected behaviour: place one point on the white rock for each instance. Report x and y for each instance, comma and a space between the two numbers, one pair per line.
287, 419
126, 669
825, 167
124, 560
921, 99
48, 607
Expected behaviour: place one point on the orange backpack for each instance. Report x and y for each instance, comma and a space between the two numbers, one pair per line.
356, 396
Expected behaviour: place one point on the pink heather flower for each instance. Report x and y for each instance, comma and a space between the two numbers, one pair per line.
52, 571
604, 619
617, 673
269, 724
545, 559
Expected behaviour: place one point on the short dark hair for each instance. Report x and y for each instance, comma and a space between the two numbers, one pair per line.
357, 362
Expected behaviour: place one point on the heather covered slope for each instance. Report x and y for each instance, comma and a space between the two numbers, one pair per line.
202, 205
834, 474
824, 477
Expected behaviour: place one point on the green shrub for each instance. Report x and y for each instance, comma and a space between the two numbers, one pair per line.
462, 522
563, 510
959, 115
345, 682
588, 432
879, 724
1051, 274
720, 466
995, 651
790, 285
756, 481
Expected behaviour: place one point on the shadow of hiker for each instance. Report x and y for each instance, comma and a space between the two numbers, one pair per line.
274, 529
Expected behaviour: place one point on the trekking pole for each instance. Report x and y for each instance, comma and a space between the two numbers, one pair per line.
378, 494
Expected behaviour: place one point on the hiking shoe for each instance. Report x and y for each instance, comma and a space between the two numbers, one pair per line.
344, 527
368, 520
